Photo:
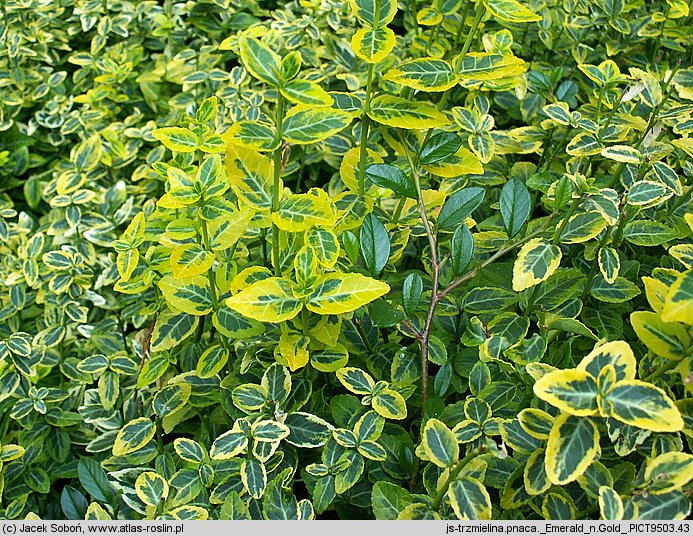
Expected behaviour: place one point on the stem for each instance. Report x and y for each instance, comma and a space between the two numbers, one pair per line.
530, 301
365, 123
493, 258
363, 336
595, 264
210, 272
398, 209
277, 164
458, 35
435, 267
451, 478
479, 14
432, 37
650, 123
571, 211
666, 367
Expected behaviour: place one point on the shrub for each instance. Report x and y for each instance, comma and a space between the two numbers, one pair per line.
354, 260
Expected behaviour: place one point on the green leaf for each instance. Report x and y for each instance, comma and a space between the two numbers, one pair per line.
307, 430
515, 206
269, 431
356, 380
669, 471
189, 450
610, 504
171, 329
672, 505
388, 500
94, 480
86, 155
254, 477
375, 244
393, 178
622, 153
439, 147
439, 444
412, 289
234, 325
261, 62
459, 206
133, 436
485, 299
582, 227
212, 361
228, 445
535, 478
176, 139
401, 113
171, 399
648, 233
647, 192
469, 499
621, 290
642, 405
536, 261
304, 125
424, 74
249, 397
609, 264
572, 446
511, 11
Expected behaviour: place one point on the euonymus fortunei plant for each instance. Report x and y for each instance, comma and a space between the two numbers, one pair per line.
360, 259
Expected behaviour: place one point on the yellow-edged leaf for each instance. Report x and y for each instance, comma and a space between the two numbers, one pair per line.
424, 74
617, 354
402, 113
337, 293
269, 300
250, 175
678, 304
572, 391
536, 262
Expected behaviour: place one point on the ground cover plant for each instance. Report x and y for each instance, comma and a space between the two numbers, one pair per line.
330, 259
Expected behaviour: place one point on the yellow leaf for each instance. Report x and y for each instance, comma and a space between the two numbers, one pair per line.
292, 351
250, 175
269, 300
338, 293
463, 162
678, 304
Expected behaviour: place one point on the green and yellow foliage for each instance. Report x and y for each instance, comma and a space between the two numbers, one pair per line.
356, 259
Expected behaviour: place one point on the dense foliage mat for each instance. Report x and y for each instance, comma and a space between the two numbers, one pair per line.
346, 259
